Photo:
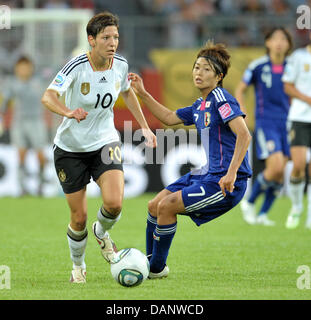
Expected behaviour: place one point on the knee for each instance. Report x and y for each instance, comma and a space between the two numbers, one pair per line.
114, 206
278, 174
163, 208
298, 169
153, 207
78, 219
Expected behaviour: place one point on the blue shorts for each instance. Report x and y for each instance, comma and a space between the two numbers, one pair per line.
202, 196
271, 136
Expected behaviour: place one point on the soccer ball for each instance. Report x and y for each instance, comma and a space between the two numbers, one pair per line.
131, 267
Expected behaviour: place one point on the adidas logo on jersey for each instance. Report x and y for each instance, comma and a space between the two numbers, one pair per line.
102, 80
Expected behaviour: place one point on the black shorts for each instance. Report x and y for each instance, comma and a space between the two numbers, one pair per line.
75, 169
300, 134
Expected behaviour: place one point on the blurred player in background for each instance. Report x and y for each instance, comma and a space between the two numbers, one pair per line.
28, 130
217, 187
272, 106
297, 83
87, 143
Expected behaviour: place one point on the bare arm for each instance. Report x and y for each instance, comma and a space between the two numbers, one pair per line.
292, 91
162, 113
239, 94
134, 106
51, 101
243, 139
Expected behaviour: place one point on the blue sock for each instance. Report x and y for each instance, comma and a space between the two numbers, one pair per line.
260, 185
151, 224
163, 236
270, 195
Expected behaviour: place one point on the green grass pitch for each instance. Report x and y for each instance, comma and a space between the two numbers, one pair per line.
223, 259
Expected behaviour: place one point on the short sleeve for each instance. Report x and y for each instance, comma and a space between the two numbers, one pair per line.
62, 82
229, 110
125, 84
248, 76
291, 69
186, 115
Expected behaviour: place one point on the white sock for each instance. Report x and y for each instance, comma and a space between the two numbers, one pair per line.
77, 243
296, 188
309, 202
105, 221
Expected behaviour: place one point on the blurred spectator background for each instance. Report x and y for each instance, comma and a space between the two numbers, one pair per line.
177, 24
158, 38
145, 25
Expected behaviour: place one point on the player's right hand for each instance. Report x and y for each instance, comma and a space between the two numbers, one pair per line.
78, 114
227, 183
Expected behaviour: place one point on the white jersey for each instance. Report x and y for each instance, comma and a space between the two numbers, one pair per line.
298, 72
94, 91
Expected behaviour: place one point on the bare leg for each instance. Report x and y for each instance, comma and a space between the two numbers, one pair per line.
298, 154
77, 232
296, 185
111, 184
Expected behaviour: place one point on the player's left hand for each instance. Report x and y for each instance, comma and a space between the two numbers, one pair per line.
151, 139
227, 183
136, 83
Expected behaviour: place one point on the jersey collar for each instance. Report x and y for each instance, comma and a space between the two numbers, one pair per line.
93, 65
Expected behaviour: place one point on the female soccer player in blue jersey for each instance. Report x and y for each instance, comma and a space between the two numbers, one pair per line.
272, 106
221, 183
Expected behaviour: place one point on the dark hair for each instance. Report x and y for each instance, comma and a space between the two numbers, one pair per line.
23, 59
286, 33
217, 56
100, 21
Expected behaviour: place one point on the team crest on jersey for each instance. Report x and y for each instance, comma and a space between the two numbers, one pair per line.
207, 119
62, 175
85, 88
306, 67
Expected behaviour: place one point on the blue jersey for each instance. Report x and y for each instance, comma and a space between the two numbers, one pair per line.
211, 119
271, 100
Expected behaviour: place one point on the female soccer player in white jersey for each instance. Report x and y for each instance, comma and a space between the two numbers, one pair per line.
87, 143
297, 84
208, 193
